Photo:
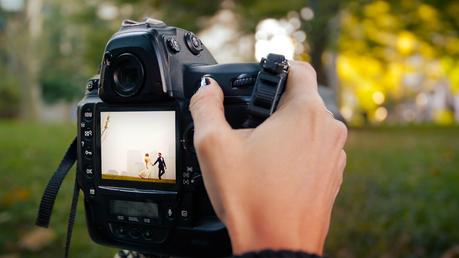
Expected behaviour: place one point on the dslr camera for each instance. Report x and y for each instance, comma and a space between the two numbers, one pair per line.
136, 163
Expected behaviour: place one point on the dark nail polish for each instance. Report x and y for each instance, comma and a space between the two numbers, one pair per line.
205, 80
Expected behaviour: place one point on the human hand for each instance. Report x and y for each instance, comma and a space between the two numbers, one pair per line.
273, 186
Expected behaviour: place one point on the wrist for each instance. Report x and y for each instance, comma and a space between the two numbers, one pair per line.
284, 232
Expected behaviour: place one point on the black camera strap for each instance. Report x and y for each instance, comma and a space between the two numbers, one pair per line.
268, 88
49, 196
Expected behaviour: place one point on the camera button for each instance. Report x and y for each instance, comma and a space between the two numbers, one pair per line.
170, 213
89, 172
87, 152
90, 85
133, 219
92, 192
173, 45
120, 230
188, 173
185, 214
196, 180
155, 234
188, 143
193, 43
147, 220
87, 113
120, 217
134, 233
88, 133
147, 234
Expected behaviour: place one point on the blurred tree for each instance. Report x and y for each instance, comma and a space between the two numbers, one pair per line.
95, 30
61, 57
22, 56
9, 94
63, 66
30, 101
322, 31
23, 59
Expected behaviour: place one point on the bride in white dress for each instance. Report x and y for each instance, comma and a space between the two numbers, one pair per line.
146, 173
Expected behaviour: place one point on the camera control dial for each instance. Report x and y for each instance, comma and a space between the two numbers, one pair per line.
193, 43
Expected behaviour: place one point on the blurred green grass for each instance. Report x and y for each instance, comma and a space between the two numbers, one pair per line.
29, 154
400, 196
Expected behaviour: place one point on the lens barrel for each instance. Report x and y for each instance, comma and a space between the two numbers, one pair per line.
128, 75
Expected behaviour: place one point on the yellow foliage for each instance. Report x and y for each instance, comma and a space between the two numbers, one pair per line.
444, 117
427, 13
364, 93
348, 20
427, 50
452, 45
392, 79
367, 76
451, 69
376, 8
406, 42
386, 21
381, 48
344, 68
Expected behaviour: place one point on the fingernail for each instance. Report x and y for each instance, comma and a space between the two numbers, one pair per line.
205, 80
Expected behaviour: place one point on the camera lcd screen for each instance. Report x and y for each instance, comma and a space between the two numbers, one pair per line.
135, 209
138, 146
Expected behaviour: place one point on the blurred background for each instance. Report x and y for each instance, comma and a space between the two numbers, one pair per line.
390, 67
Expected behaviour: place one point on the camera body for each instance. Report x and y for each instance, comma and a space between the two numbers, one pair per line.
136, 162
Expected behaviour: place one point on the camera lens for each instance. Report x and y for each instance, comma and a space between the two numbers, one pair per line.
128, 75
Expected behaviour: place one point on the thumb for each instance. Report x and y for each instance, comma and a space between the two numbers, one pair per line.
207, 110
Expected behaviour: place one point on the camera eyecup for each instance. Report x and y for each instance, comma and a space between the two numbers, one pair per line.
128, 75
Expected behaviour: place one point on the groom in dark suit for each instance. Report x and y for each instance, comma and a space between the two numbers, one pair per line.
161, 165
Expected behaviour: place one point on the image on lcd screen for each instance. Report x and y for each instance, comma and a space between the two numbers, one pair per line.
138, 146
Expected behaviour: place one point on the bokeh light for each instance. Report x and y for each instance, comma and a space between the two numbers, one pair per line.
378, 97
12, 5
273, 36
380, 114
